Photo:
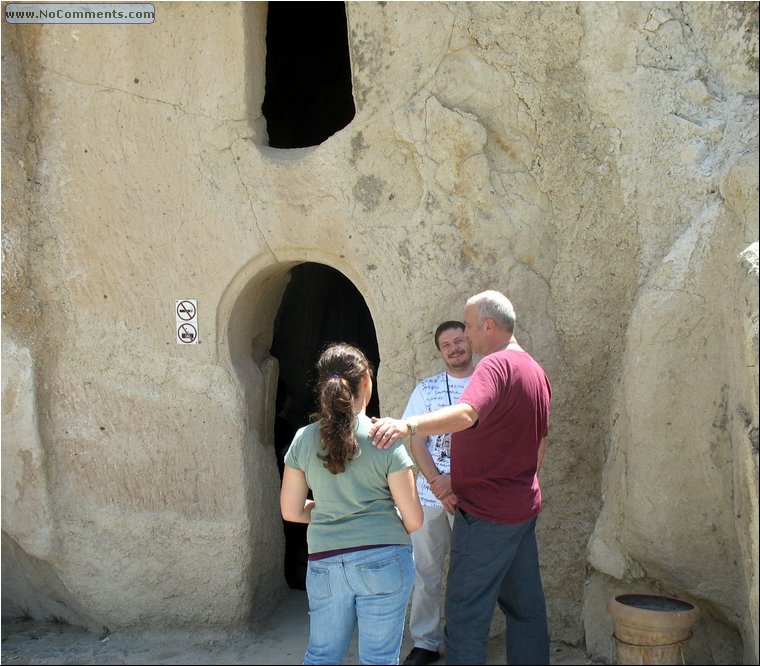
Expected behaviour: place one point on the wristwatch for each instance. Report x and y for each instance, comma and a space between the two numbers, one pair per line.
412, 426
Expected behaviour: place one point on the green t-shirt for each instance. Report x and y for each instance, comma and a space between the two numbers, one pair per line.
353, 508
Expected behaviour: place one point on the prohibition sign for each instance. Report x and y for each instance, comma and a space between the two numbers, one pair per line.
186, 310
187, 333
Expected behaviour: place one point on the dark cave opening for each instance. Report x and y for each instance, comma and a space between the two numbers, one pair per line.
320, 305
308, 94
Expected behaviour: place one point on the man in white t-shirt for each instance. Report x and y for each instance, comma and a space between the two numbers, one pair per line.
432, 457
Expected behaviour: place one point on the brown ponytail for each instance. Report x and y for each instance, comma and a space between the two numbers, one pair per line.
340, 370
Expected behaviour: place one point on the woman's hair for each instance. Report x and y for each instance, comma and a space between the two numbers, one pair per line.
340, 370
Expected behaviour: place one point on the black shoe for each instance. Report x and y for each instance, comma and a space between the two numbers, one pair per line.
420, 655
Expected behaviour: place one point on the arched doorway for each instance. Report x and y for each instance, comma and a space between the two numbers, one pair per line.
262, 312
320, 305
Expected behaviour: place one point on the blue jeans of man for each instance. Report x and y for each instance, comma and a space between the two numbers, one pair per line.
368, 589
494, 563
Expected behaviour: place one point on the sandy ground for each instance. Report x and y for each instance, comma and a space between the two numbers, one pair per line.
281, 641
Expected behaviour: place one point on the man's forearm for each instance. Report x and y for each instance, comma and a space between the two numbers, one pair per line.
422, 457
541, 453
454, 418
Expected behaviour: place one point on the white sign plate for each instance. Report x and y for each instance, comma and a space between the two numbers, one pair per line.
186, 313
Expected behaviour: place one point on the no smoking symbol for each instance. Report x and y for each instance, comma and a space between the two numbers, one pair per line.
186, 310
186, 313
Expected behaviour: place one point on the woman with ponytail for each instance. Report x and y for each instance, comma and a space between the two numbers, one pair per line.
360, 571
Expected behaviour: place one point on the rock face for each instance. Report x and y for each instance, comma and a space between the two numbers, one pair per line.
597, 162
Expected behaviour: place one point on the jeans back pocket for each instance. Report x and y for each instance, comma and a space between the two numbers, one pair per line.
319, 581
382, 577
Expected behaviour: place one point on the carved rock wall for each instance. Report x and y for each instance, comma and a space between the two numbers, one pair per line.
594, 161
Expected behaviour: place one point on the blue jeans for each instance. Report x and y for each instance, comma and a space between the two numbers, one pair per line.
494, 563
368, 588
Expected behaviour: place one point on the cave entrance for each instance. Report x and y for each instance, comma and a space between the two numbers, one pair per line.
320, 305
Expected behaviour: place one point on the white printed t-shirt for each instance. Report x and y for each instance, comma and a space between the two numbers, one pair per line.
431, 394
